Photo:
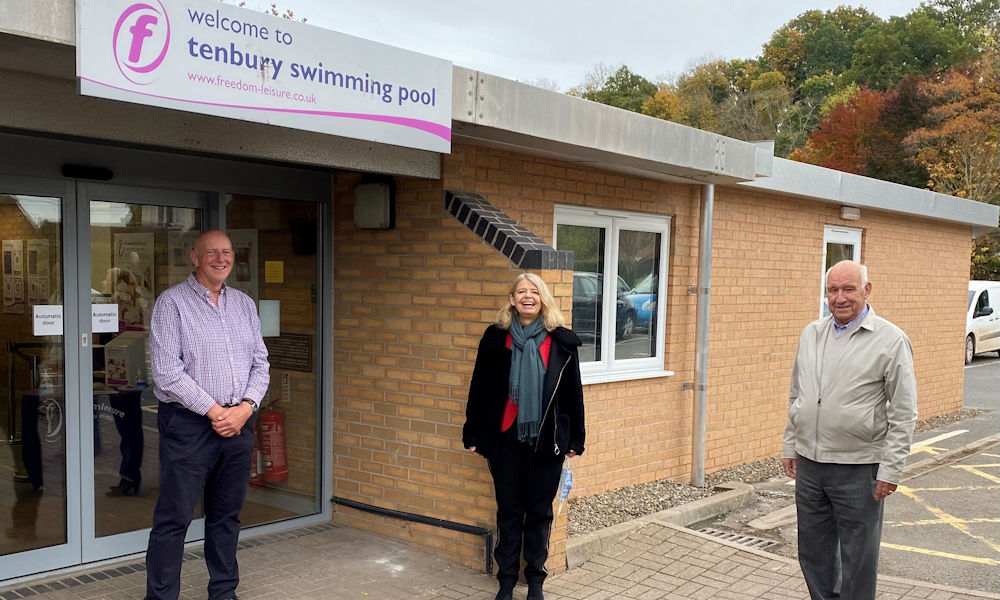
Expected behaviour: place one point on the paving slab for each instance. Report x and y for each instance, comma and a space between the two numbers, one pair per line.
656, 560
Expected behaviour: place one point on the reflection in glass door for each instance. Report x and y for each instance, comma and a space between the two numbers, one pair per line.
136, 252
277, 264
34, 516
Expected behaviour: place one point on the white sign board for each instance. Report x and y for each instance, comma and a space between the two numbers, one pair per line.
47, 319
219, 59
104, 318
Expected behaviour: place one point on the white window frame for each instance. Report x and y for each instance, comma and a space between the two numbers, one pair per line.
607, 368
835, 234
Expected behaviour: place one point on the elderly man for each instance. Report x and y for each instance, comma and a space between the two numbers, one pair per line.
211, 372
852, 407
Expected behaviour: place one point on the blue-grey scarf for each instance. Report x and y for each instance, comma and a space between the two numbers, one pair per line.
527, 375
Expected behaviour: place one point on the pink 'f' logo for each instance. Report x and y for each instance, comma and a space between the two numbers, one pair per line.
141, 39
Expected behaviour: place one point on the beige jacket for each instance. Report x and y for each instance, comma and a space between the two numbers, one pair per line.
867, 413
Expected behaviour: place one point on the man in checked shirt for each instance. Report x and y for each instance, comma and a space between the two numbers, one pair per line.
210, 369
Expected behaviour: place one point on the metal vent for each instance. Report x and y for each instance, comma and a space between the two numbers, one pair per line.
738, 538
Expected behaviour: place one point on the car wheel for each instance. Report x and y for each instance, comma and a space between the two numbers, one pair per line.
628, 327
970, 348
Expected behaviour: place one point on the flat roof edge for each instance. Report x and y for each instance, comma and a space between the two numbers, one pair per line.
47, 20
829, 185
501, 109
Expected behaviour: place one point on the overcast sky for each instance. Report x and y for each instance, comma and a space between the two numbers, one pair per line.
562, 40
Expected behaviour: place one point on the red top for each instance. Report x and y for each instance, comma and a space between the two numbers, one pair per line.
510, 411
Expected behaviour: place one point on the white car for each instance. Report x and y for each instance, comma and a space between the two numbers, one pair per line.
982, 323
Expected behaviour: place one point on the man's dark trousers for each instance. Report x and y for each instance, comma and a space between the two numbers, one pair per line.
525, 484
840, 529
195, 460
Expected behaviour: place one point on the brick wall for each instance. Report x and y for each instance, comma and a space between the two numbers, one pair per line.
766, 277
411, 304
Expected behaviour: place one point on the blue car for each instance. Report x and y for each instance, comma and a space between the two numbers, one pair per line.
643, 297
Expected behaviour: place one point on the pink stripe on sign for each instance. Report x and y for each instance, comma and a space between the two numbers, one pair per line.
441, 131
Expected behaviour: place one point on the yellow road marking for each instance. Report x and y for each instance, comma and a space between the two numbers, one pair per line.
932, 450
948, 519
942, 522
974, 559
964, 488
972, 469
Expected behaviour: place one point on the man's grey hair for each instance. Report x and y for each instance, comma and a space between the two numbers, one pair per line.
864, 274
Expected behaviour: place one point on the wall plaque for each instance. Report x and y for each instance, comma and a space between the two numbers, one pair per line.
290, 351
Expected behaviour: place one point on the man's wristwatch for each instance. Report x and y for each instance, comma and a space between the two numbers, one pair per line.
253, 405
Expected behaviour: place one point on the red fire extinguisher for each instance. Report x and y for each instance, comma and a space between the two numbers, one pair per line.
272, 436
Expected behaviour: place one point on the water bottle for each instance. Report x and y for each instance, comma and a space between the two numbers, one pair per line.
565, 485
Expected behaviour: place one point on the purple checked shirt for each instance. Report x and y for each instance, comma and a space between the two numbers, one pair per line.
201, 353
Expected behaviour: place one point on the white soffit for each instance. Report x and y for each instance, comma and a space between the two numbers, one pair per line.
828, 185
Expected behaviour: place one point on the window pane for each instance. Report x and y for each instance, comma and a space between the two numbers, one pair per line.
33, 502
838, 252
137, 251
276, 261
638, 267
588, 281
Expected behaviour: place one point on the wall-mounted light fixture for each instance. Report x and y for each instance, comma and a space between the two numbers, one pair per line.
375, 204
850, 213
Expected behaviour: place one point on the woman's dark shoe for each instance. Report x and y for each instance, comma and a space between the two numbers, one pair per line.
535, 592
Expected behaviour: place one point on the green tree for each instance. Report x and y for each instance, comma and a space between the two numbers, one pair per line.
976, 20
757, 113
817, 42
916, 44
623, 89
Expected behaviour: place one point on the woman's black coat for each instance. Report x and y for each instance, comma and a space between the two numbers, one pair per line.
562, 428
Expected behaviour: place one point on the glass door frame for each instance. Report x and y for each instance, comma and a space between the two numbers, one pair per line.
68, 553
98, 548
30, 165
835, 234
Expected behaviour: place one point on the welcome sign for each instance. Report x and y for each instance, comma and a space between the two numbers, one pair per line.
219, 59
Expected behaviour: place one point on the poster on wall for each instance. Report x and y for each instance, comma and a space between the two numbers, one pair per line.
38, 272
130, 281
179, 246
13, 277
244, 274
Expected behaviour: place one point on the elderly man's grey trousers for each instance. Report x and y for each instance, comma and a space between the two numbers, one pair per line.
840, 528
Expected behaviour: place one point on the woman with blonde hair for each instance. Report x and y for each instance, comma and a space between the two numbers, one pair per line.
525, 415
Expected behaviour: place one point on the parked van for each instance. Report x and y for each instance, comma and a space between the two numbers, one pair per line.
982, 323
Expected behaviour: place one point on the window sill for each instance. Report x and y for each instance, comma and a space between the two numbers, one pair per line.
612, 376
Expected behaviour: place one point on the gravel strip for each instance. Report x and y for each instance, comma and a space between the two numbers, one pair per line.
617, 506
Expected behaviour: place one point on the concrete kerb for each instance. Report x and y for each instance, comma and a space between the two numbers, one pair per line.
581, 548
929, 464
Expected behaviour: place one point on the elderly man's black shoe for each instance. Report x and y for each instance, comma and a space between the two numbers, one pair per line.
535, 593
505, 593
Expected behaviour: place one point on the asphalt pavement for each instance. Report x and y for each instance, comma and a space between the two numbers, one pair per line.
943, 526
